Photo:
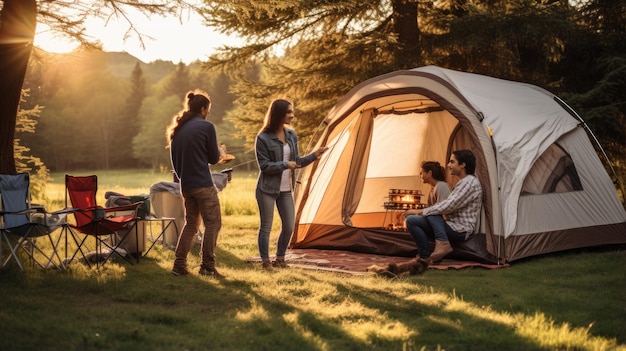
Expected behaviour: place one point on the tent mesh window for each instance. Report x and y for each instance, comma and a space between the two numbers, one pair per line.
553, 172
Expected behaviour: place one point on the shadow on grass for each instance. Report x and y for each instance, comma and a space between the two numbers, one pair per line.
144, 307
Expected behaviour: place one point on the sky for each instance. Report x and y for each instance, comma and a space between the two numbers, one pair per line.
171, 40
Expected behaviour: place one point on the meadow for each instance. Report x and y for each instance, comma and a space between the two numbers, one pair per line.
565, 301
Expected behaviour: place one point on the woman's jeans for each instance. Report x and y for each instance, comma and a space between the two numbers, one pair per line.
200, 202
423, 228
286, 210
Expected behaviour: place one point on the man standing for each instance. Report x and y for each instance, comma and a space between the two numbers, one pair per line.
453, 218
193, 146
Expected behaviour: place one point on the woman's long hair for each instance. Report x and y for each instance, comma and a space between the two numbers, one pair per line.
192, 105
275, 115
437, 169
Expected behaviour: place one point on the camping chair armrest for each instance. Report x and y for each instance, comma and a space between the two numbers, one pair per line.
53, 219
64, 211
22, 212
95, 211
88, 209
38, 209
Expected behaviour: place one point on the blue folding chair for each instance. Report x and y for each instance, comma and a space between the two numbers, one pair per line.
22, 223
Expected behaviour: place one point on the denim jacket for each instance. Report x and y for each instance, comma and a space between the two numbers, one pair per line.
269, 156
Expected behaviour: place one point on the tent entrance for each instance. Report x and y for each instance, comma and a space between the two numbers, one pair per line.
399, 141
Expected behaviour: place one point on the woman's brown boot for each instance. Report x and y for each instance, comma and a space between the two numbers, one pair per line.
280, 263
267, 265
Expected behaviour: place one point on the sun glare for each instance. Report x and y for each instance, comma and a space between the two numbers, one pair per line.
51, 42
164, 38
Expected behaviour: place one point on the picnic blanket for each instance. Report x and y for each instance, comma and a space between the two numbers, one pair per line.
357, 263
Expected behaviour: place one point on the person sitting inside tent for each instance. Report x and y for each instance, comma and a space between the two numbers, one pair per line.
434, 174
461, 210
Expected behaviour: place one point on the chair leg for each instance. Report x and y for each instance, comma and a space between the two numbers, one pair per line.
54, 254
32, 250
79, 248
161, 235
12, 254
29, 245
100, 243
119, 243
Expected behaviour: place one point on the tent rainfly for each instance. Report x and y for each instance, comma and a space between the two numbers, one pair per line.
545, 189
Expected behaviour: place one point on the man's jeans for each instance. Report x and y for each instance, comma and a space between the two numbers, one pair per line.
200, 202
423, 228
286, 210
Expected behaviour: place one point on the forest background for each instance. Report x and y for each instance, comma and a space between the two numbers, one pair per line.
109, 110
94, 110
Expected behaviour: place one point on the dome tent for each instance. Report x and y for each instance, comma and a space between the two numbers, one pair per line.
544, 187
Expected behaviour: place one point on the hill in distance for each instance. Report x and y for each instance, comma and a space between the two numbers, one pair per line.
120, 64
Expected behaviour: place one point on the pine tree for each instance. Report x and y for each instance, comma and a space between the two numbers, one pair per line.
314, 52
596, 57
325, 48
129, 125
178, 82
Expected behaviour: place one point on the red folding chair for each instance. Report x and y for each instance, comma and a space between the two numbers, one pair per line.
109, 226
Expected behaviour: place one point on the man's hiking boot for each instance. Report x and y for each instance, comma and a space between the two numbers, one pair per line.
211, 273
442, 248
179, 272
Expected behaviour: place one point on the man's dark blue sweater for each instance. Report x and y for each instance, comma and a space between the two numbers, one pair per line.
192, 149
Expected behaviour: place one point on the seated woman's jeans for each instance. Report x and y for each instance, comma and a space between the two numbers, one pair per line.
423, 228
286, 210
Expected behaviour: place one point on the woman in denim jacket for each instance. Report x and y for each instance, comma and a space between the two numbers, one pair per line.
276, 149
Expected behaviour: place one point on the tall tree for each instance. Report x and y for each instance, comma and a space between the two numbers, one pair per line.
18, 22
178, 82
328, 47
596, 56
509, 39
217, 85
313, 52
129, 125
150, 145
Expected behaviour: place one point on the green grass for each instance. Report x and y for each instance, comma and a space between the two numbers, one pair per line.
566, 301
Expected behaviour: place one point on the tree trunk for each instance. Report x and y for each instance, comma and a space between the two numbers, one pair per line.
405, 26
18, 20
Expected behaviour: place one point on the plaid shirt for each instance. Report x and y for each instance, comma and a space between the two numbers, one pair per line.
462, 207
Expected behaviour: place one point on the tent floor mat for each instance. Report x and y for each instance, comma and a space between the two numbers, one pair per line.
357, 263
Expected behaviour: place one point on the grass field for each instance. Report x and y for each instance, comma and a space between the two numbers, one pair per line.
565, 301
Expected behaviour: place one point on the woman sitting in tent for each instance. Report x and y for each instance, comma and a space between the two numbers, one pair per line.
434, 174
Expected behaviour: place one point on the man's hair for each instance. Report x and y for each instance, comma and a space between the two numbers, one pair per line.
467, 157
